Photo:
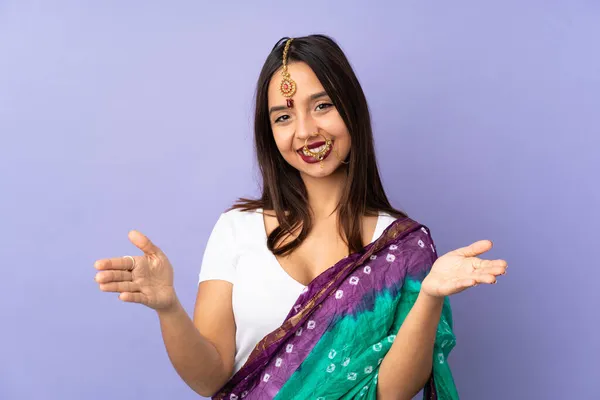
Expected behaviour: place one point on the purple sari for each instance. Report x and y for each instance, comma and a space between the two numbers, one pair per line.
333, 340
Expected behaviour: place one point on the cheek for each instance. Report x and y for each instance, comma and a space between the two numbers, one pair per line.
337, 128
283, 138
334, 124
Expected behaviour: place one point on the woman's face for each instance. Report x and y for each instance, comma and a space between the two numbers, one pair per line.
313, 112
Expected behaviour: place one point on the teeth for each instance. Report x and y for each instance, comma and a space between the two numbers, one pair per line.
317, 150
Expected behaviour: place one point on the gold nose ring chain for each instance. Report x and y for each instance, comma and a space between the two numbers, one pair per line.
317, 154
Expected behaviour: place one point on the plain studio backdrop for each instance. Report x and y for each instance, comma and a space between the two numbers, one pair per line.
122, 115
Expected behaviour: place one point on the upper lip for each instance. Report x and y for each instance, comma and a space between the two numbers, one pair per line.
313, 145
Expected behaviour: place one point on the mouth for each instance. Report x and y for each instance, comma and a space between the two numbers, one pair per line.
313, 146
320, 148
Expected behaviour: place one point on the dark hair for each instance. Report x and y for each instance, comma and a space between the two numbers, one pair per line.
283, 189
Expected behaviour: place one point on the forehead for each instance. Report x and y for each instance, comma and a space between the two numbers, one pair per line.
307, 83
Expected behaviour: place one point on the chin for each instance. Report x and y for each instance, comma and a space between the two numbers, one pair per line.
315, 170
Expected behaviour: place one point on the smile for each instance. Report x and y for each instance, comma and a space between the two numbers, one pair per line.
320, 151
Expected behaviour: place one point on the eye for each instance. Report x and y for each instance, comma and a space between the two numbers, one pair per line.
282, 118
324, 106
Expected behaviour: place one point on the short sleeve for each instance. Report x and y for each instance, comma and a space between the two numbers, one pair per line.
220, 256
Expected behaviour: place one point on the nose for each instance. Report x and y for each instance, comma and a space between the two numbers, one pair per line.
305, 128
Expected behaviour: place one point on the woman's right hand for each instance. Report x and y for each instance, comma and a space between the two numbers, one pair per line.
147, 279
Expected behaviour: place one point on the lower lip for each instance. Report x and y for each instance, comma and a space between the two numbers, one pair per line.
313, 160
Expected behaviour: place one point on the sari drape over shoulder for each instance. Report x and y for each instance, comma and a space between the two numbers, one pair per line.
335, 337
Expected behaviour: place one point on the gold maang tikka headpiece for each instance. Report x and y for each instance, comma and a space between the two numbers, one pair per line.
287, 86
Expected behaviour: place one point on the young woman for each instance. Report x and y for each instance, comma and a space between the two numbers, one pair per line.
319, 289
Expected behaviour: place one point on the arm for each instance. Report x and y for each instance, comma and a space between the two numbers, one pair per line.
407, 366
202, 351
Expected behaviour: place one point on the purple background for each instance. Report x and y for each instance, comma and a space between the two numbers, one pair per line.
119, 115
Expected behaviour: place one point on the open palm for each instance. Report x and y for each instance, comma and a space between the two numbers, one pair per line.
461, 268
146, 279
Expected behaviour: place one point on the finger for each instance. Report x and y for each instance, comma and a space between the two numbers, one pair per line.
485, 278
143, 243
490, 271
119, 263
133, 297
496, 271
113, 276
120, 287
474, 249
465, 283
495, 267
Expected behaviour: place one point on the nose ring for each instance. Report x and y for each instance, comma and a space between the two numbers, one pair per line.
319, 154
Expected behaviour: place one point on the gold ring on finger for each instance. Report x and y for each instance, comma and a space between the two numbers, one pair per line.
132, 262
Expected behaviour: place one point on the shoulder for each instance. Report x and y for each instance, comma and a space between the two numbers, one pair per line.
236, 214
417, 248
237, 221
419, 232
383, 221
385, 218
418, 237
420, 243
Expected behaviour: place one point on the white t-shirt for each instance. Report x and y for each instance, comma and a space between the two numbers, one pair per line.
263, 293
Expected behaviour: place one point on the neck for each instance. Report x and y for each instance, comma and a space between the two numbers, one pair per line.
325, 193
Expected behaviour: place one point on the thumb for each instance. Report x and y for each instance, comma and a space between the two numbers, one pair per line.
140, 241
475, 249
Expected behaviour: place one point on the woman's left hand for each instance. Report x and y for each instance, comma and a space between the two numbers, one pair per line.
461, 269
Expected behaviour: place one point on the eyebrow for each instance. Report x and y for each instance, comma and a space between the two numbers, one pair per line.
312, 97
318, 95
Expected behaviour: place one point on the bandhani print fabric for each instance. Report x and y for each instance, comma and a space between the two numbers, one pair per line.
332, 342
